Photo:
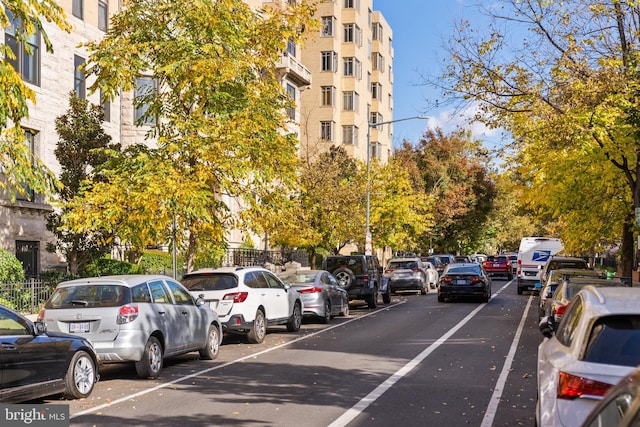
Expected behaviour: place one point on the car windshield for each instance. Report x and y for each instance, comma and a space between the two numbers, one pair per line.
408, 264
615, 340
299, 277
210, 282
82, 296
463, 269
353, 264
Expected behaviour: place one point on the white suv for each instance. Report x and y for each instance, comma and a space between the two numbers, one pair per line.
247, 299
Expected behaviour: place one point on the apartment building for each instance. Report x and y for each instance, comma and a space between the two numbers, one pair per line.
53, 76
351, 60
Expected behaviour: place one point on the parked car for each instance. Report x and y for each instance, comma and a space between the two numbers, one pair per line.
406, 274
620, 406
446, 258
554, 278
462, 258
498, 265
533, 253
320, 293
464, 280
556, 262
436, 262
360, 275
513, 258
35, 363
432, 274
134, 318
595, 345
247, 299
569, 287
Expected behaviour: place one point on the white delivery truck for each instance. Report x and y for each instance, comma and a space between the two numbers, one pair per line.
534, 253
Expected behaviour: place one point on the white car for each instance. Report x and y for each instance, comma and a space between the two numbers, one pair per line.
247, 299
596, 343
432, 274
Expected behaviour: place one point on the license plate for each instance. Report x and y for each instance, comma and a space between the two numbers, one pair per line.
496, 265
78, 327
460, 282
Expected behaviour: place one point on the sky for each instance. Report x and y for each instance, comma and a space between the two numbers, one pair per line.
420, 28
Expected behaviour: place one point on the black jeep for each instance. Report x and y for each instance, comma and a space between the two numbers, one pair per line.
360, 276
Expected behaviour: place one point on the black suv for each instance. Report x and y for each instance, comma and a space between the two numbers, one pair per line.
360, 276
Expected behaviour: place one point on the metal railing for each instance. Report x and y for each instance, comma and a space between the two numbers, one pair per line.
25, 297
252, 257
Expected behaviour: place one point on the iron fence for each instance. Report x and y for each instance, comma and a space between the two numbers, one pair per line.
26, 297
251, 257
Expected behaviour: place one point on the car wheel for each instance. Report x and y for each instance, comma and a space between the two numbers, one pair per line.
259, 330
423, 290
345, 311
151, 363
440, 298
345, 277
81, 376
327, 313
372, 300
293, 325
519, 290
212, 347
386, 297
510, 276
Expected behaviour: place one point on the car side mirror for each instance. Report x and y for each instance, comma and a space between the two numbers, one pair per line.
200, 300
547, 326
39, 328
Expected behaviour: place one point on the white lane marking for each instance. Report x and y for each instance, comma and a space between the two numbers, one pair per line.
359, 407
215, 368
490, 413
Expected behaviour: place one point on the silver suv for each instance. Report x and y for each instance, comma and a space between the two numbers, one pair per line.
134, 318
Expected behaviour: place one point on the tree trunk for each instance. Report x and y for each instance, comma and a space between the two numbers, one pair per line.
72, 257
191, 252
626, 258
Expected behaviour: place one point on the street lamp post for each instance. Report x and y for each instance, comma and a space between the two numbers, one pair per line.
368, 247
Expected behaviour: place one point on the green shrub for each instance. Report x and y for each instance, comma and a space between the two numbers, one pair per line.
11, 269
157, 262
108, 267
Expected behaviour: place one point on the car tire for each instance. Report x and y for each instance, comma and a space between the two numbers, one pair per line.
345, 310
372, 300
293, 325
81, 376
259, 330
327, 313
386, 297
345, 277
440, 298
519, 290
151, 363
212, 346
510, 276
424, 290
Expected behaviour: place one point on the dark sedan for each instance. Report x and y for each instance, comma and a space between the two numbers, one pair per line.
464, 280
35, 363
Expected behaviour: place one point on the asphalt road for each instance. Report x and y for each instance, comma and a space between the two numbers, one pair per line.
414, 362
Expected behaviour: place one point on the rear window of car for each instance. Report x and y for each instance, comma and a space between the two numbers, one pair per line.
614, 340
299, 277
209, 282
462, 269
353, 264
394, 265
497, 259
558, 264
84, 296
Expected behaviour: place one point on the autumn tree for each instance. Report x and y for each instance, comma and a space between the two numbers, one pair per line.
454, 171
79, 151
21, 20
219, 114
562, 78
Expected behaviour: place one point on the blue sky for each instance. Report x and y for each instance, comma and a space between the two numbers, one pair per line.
420, 28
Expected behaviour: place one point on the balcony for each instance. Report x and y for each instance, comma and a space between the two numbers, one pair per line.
295, 71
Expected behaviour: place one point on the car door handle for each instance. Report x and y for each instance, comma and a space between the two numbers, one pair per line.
162, 313
185, 313
9, 347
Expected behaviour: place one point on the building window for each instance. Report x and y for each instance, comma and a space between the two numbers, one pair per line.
145, 91
350, 101
352, 67
376, 150
329, 61
29, 140
106, 107
352, 34
103, 15
349, 134
77, 8
328, 23
375, 118
376, 91
27, 253
351, 4
291, 48
291, 111
79, 82
328, 95
378, 62
326, 130
376, 30
25, 49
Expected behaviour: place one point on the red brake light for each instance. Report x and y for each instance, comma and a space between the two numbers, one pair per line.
41, 316
561, 309
127, 313
236, 296
447, 279
313, 290
389, 270
365, 278
572, 386
476, 280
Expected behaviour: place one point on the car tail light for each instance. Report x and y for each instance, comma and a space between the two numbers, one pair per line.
41, 316
560, 310
572, 386
128, 313
476, 280
389, 270
313, 290
365, 278
447, 279
236, 296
